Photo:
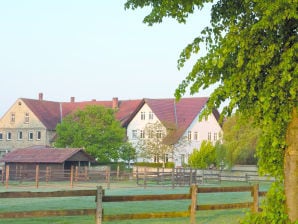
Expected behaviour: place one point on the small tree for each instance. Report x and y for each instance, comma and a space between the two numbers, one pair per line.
204, 157
95, 129
151, 144
127, 152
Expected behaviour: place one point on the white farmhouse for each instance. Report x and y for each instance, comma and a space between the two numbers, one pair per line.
182, 119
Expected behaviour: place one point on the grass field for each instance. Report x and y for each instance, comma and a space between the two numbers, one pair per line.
212, 217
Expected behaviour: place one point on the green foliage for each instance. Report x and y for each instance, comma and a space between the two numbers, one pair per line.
155, 165
204, 157
252, 55
95, 129
274, 209
240, 140
127, 152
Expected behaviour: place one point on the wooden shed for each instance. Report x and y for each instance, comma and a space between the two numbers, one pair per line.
55, 162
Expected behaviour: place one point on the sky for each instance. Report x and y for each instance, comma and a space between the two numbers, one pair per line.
92, 49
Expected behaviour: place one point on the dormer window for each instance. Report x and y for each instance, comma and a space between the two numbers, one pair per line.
27, 118
12, 117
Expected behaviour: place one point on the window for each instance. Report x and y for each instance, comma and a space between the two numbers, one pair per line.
209, 136
134, 134
8, 136
182, 159
20, 135
195, 136
30, 136
189, 135
166, 158
150, 115
156, 158
143, 116
38, 134
215, 137
158, 133
1, 136
27, 117
12, 117
150, 135
142, 134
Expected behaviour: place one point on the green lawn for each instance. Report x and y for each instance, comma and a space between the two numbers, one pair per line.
219, 216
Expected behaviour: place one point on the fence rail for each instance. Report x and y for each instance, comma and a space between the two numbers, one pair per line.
143, 176
101, 198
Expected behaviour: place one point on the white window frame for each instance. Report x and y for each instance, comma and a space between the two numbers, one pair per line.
134, 134
1, 136
20, 135
189, 135
143, 116
30, 135
27, 118
215, 136
195, 136
12, 117
150, 115
38, 135
142, 133
8, 136
209, 136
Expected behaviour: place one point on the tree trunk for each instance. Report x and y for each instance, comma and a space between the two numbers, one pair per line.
291, 168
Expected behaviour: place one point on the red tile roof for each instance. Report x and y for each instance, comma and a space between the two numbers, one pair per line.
176, 116
50, 113
42, 155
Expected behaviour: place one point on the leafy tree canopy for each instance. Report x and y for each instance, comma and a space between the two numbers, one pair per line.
240, 140
94, 128
252, 54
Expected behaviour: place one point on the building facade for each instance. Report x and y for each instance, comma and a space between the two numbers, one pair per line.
31, 122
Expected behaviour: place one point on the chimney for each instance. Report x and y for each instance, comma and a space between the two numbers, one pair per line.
115, 103
72, 99
40, 96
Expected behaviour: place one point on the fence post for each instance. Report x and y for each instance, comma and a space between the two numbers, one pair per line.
173, 178
6, 175
118, 172
145, 177
193, 206
108, 174
76, 173
86, 173
255, 193
99, 208
37, 175
71, 176
137, 174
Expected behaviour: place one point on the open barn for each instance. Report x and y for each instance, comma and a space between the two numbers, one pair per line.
53, 162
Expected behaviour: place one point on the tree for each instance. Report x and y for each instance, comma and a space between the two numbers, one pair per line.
151, 145
240, 140
127, 152
94, 128
203, 158
252, 55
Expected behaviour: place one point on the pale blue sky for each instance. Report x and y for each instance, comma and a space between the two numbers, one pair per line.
91, 49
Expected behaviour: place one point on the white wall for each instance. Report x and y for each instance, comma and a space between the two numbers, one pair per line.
209, 125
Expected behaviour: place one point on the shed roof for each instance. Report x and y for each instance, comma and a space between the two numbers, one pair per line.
43, 155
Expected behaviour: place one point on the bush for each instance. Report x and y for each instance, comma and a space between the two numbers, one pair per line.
155, 165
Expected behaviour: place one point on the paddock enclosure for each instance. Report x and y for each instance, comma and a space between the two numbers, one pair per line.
191, 206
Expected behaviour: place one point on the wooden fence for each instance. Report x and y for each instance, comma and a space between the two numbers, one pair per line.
101, 198
186, 176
